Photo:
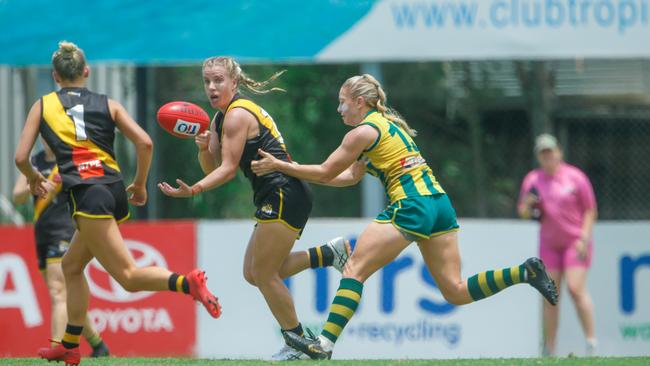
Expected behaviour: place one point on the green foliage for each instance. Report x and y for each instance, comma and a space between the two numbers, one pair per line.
306, 116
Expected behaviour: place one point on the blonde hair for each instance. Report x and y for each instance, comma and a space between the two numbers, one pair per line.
367, 87
235, 72
69, 61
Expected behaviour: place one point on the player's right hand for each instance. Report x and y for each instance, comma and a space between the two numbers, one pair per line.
137, 194
358, 170
202, 140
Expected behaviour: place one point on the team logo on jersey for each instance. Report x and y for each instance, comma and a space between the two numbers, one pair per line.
63, 246
87, 163
267, 209
412, 162
186, 128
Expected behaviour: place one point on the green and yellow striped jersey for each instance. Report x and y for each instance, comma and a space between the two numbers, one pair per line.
396, 161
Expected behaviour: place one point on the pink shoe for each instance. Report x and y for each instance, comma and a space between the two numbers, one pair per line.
199, 291
70, 356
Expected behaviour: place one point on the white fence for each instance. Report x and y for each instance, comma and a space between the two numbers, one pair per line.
403, 315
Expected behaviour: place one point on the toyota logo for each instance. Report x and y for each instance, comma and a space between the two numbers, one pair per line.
103, 286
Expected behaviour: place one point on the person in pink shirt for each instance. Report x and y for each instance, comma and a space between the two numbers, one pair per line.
561, 197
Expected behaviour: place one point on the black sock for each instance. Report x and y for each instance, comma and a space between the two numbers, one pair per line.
297, 330
321, 256
178, 283
71, 336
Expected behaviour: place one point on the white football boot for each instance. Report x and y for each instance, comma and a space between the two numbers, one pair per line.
341, 249
286, 353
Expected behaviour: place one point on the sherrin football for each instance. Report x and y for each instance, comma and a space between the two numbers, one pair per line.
183, 119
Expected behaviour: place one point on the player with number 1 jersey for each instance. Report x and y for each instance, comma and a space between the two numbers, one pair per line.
79, 127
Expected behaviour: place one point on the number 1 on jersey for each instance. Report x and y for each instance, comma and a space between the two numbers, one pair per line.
393, 129
77, 114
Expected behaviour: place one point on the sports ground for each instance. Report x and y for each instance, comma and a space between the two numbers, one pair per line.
570, 361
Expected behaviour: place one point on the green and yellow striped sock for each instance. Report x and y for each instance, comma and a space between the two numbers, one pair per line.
486, 284
343, 307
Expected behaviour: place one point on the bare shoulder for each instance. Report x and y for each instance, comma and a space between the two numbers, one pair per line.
36, 107
361, 135
238, 118
114, 108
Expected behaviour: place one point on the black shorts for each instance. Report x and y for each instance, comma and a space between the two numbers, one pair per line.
289, 204
99, 201
50, 252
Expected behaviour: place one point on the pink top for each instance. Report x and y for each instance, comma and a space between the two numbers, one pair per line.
564, 198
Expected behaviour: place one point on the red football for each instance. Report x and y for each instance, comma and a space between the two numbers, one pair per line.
183, 119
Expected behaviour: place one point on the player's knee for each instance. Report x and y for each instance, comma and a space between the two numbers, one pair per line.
57, 294
576, 291
248, 276
265, 279
126, 280
70, 267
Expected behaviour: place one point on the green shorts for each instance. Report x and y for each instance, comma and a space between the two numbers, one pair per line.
421, 217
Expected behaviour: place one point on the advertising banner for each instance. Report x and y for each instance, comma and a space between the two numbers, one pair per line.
489, 29
402, 313
143, 323
24, 300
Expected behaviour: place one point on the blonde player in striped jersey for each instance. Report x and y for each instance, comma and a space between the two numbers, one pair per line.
419, 210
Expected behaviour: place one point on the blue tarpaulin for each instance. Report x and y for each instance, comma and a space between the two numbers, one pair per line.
173, 31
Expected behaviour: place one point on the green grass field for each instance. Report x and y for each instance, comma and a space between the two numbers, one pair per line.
573, 361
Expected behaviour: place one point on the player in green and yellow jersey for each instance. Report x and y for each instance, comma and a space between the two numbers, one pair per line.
381, 143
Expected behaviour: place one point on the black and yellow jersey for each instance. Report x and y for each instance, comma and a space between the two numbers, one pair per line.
396, 161
52, 220
78, 126
269, 140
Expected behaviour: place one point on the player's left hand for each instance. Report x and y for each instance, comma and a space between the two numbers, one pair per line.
137, 194
183, 189
267, 164
38, 185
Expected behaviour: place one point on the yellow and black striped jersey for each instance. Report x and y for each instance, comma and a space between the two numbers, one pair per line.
396, 161
78, 126
269, 140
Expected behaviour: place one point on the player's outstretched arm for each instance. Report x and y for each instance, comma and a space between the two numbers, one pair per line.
235, 133
342, 158
349, 177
